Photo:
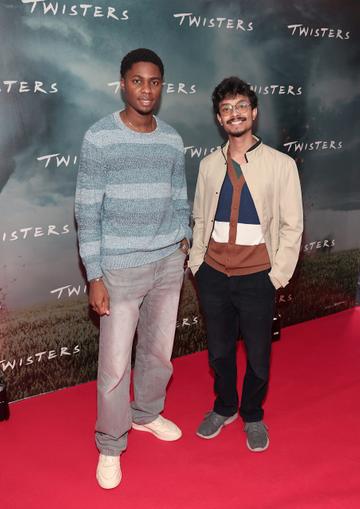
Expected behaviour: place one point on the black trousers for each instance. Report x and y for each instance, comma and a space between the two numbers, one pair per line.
232, 306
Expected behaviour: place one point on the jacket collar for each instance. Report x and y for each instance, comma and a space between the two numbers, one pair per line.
254, 149
250, 154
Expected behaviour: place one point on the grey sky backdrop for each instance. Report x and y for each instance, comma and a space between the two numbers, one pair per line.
81, 54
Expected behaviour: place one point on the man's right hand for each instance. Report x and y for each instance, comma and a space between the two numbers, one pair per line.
99, 297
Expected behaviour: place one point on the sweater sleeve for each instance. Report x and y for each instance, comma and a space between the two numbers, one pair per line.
90, 189
179, 190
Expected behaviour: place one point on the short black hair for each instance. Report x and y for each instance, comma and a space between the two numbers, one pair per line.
140, 55
231, 87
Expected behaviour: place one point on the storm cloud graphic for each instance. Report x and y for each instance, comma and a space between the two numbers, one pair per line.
81, 55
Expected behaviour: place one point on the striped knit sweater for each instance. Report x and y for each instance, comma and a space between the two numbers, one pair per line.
131, 199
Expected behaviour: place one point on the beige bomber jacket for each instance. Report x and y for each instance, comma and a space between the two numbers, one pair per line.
273, 181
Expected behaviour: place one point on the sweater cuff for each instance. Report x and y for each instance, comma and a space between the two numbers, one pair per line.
93, 271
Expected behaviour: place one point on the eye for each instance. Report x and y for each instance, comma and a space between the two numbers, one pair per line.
136, 81
226, 108
156, 83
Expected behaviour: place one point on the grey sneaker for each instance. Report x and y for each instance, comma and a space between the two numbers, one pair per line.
213, 423
257, 436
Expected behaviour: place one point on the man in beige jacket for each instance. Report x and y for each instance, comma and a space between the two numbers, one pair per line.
246, 240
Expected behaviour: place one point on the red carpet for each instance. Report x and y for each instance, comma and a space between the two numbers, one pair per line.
48, 457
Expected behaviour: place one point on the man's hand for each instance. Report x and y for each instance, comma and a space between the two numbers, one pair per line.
184, 246
99, 298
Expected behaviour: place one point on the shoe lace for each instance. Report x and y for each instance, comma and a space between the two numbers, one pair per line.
213, 416
160, 420
109, 461
256, 427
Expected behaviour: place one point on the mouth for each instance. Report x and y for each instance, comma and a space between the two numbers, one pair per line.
145, 101
236, 121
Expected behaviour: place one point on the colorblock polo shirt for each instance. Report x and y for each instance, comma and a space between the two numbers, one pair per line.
237, 246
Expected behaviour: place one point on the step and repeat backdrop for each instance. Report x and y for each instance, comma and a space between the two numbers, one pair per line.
59, 73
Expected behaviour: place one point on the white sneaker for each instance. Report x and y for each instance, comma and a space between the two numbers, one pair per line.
162, 428
108, 472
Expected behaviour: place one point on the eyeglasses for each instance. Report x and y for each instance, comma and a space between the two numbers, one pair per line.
240, 107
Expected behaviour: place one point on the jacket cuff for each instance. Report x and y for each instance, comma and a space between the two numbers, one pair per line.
275, 281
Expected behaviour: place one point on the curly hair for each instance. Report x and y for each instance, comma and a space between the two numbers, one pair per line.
231, 87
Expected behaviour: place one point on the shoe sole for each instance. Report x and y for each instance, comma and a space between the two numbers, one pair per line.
258, 449
140, 427
226, 423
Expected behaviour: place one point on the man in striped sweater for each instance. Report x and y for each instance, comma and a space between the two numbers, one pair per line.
132, 213
246, 241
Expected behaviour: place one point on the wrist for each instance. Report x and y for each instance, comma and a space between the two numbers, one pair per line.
96, 279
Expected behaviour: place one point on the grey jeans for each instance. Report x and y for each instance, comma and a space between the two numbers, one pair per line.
145, 298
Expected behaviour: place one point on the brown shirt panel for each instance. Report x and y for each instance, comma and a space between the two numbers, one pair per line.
231, 258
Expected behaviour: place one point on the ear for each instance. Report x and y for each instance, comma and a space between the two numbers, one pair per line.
122, 84
219, 119
254, 113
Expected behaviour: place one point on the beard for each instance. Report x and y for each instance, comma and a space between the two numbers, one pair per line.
229, 127
238, 135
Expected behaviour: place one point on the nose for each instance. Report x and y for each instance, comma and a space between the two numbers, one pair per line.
146, 87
